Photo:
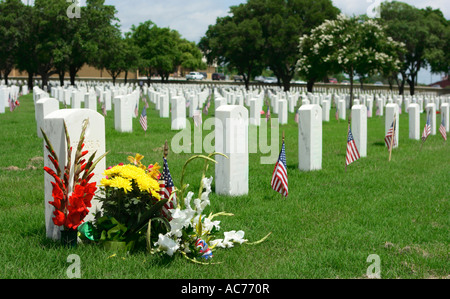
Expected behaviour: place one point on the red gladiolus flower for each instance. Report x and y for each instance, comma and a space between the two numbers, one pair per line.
59, 219
57, 195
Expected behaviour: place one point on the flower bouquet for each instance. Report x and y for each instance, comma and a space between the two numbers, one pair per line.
71, 201
190, 232
130, 198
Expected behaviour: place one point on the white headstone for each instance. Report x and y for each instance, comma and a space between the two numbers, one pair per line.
3, 95
164, 106
414, 121
342, 109
90, 101
431, 113
231, 139
44, 107
326, 110
359, 128
94, 141
282, 111
123, 121
310, 137
255, 112
178, 113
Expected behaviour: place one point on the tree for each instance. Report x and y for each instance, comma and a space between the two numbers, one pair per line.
437, 54
355, 45
87, 34
422, 32
283, 22
11, 23
111, 55
162, 50
243, 49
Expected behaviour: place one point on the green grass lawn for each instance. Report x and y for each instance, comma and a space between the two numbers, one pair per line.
330, 223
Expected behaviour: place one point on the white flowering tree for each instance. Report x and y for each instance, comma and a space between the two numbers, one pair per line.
356, 45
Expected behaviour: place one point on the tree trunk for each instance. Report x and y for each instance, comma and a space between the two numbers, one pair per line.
351, 88
412, 83
44, 78
73, 73
126, 77
310, 85
30, 81
61, 77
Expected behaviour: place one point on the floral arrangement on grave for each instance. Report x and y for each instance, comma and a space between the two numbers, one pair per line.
130, 196
134, 199
71, 199
190, 232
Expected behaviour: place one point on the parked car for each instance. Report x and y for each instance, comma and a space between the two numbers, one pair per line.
218, 76
378, 83
260, 78
194, 76
238, 78
345, 82
270, 80
332, 80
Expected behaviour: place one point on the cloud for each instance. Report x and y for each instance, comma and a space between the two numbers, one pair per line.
190, 18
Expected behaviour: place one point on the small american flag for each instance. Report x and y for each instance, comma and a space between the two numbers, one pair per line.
296, 117
442, 128
426, 130
136, 110
104, 109
143, 119
279, 177
389, 136
165, 190
336, 115
369, 111
12, 105
377, 113
197, 118
352, 151
268, 112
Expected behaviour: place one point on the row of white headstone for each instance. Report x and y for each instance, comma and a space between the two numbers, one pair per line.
232, 123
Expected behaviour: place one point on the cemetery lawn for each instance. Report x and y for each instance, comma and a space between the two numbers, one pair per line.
328, 226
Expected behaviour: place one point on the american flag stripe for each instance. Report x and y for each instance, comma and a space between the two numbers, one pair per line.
442, 129
143, 119
352, 151
426, 130
388, 137
166, 187
279, 181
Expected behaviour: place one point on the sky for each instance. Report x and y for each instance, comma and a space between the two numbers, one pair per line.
191, 18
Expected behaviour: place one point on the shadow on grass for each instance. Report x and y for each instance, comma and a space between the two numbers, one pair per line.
379, 143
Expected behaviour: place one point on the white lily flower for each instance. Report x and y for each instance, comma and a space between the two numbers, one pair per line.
167, 244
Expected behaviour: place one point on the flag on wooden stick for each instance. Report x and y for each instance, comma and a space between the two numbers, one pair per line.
279, 177
389, 139
442, 129
166, 187
143, 119
352, 151
426, 130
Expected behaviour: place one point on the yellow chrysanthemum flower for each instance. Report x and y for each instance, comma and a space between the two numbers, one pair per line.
121, 183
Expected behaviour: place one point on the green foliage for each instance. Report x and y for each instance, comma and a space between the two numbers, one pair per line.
356, 46
425, 34
163, 50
